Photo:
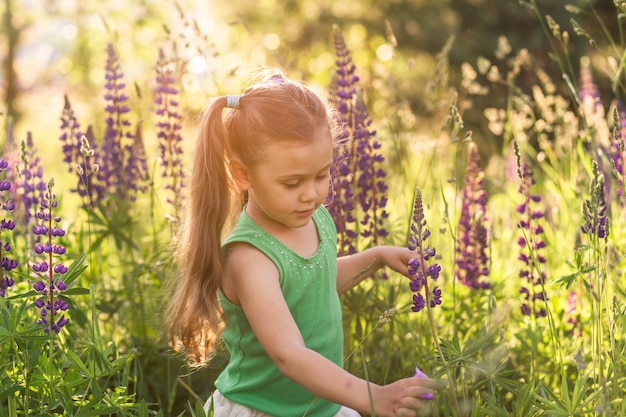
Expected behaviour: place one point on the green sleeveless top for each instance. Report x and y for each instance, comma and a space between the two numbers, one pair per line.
251, 378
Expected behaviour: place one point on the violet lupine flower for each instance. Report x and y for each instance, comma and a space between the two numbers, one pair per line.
531, 244
572, 313
50, 285
594, 208
371, 176
592, 108
472, 246
7, 205
420, 374
342, 206
76, 158
31, 186
169, 127
70, 135
117, 125
357, 171
122, 158
421, 271
136, 165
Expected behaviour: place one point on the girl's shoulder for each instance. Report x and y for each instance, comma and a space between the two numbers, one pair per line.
241, 262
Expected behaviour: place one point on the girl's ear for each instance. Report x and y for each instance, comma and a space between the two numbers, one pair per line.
240, 174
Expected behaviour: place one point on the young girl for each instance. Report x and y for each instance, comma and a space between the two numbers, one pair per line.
270, 289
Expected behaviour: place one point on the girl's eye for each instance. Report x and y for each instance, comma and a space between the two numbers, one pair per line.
323, 176
292, 184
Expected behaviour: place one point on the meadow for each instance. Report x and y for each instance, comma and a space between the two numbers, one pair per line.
517, 301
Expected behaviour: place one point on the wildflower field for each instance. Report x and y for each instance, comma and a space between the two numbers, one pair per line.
517, 299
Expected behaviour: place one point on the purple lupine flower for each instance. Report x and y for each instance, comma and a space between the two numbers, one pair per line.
472, 246
421, 271
49, 270
122, 158
572, 313
76, 156
70, 135
30, 186
341, 206
169, 125
6, 227
371, 184
136, 165
531, 243
596, 222
357, 165
420, 374
592, 107
116, 123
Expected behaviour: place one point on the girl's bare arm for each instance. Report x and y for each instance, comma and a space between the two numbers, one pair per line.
254, 278
352, 269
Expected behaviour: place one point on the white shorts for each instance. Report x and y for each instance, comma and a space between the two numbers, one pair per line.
223, 407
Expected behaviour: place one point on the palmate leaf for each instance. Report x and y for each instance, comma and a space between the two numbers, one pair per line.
451, 349
8, 389
524, 406
576, 403
502, 376
12, 319
492, 407
112, 222
96, 407
551, 403
580, 397
73, 272
478, 345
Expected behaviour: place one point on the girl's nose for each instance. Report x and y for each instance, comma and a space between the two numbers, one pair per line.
310, 193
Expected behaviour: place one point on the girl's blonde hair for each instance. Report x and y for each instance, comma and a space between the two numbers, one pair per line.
273, 109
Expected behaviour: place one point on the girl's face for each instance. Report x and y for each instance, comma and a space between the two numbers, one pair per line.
290, 182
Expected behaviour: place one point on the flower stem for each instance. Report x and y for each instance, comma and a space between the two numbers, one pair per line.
433, 329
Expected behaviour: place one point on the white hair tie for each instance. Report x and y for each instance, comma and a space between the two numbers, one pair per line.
232, 102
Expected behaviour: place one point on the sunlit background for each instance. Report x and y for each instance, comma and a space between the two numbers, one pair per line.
435, 75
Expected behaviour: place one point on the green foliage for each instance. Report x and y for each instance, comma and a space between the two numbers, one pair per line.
54, 375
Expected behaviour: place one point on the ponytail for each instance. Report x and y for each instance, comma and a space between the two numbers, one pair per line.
194, 318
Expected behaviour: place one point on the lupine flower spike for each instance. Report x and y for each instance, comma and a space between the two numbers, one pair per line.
6, 227
77, 160
122, 168
572, 314
531, 244
421, 268
618, 156
357, 171
86, 170
472, 246
169, 128
32, 183
594, 117
594, 209
50, 285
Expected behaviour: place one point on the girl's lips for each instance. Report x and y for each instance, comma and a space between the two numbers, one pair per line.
305, 212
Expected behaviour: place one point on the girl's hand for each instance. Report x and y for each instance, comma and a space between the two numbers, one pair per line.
403, 397
396, 258
352, 269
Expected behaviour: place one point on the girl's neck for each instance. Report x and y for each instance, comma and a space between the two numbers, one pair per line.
302, 240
